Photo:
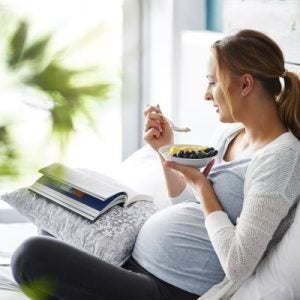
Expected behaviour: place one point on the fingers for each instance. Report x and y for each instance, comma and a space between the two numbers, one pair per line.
193, 176
153, 123
151, 108
184, 170
151, 133
153, 118
157, 131
189, 171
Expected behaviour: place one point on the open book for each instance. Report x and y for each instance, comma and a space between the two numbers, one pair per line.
85, 194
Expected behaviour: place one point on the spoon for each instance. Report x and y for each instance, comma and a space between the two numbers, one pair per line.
174, 127
177, 128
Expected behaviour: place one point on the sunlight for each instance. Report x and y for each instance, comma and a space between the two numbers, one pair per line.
74, 25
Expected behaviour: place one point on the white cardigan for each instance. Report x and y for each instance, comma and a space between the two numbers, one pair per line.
271, 189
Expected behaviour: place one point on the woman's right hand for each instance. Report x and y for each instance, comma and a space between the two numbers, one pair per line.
157, 132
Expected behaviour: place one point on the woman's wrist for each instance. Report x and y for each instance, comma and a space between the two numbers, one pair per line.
174, 181
208, 198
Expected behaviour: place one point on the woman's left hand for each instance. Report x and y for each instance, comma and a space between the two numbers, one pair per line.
194, 177
200, 183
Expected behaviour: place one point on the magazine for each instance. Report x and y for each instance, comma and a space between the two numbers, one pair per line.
85, 194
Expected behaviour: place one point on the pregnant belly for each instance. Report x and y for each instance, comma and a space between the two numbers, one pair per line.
174, 235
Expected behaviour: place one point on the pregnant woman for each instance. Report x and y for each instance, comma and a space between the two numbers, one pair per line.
224, 219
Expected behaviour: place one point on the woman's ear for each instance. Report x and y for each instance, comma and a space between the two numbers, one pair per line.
247, 84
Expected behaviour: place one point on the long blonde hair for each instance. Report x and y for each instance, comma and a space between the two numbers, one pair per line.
252, 52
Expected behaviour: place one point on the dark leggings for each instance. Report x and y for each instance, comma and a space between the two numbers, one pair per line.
46, 268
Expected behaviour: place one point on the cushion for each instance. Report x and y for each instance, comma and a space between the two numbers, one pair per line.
111, 237
278, 276
142, 171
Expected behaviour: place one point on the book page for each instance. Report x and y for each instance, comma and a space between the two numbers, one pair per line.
134, 196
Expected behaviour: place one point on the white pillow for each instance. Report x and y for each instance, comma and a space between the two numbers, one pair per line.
111, 237
142, 171
278, 276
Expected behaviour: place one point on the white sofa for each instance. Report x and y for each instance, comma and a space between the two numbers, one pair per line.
276, 277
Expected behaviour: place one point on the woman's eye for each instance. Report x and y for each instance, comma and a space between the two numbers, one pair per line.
211, 83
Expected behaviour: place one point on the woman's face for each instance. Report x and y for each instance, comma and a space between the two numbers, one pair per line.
215, 94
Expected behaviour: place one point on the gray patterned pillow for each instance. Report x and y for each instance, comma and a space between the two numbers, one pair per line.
111, 237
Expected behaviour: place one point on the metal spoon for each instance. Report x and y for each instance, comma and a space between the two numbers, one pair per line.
177, 128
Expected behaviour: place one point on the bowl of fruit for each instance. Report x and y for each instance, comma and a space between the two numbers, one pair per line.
189, 155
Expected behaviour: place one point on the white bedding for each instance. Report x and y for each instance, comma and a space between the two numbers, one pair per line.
12, 235
142, 171
9, 290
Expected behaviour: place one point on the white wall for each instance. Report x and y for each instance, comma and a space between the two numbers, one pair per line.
277, 18
192, 109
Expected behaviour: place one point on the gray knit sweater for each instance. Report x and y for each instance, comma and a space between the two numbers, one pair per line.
271, 191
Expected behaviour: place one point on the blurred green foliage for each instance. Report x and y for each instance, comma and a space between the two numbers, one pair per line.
39, 289
8, 154
30, 63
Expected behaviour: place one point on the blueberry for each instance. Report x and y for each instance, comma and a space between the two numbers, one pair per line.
193, 156
212, 153
215, 152
174, 155
200, 154
180, 153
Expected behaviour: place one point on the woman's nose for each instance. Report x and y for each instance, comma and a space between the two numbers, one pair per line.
208, 94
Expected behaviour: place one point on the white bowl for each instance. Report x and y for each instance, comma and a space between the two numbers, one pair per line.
192, 162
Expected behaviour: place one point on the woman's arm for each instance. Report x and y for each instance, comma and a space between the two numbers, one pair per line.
271, 189
158, 133
175, 182
200, 184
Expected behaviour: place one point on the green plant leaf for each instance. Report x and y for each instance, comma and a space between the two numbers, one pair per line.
62, 118
37, 49
17, 44
8, 154
62, 123
75, 94
53, 78
70, 90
